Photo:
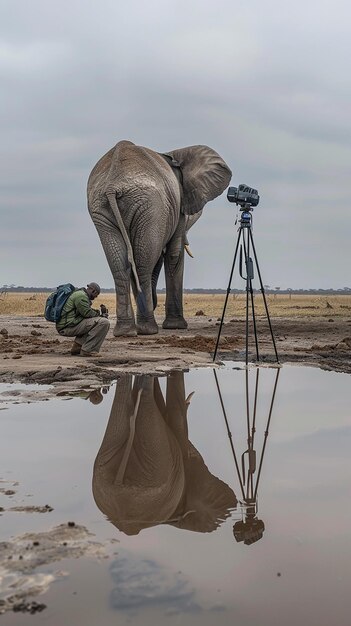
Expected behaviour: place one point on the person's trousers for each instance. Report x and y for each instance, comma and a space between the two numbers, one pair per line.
89, 333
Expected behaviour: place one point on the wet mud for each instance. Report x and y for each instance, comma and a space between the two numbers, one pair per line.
22, 557
32, 352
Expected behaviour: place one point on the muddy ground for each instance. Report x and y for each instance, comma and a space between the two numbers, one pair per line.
32, 352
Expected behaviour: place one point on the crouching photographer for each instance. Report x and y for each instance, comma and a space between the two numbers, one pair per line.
78, 319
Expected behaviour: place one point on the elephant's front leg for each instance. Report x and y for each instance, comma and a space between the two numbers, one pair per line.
116, 255
174, 269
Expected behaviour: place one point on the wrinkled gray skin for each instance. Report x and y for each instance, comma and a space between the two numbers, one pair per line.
142, 204
147, 472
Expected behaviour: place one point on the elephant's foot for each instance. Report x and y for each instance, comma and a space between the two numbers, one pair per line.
147, 327
125, 328
174, 321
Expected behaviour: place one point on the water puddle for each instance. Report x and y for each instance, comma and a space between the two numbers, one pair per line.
197, 498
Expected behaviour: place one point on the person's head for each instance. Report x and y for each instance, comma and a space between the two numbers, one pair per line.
93, 290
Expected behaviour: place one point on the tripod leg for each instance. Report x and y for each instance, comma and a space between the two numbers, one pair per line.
264, 297
254, 321
229, 434
253, 431
247, 311
249, 270
266, 432
247, 298
249, 444
227, 296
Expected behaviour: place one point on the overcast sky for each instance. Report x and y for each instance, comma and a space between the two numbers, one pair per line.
266, 83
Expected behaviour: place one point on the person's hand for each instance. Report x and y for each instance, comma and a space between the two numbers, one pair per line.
103, 311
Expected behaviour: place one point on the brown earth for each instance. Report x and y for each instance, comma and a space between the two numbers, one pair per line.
32, 352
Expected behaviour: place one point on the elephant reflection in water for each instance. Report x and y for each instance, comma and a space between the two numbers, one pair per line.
147, 472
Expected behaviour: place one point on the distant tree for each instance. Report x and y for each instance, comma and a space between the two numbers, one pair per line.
3, 291
289, 290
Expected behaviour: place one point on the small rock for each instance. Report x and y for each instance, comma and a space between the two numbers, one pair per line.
223, 341
36, 333
4, 332
17, 356
342, 346
200, 312
28, 607
71, 524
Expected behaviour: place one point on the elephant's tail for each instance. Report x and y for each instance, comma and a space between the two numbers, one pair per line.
141, 300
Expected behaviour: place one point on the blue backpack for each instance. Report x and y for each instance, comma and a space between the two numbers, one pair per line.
56, 301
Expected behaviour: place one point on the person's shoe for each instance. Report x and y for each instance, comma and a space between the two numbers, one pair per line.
89, 354
76, 348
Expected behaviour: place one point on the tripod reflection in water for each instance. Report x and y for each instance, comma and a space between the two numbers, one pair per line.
249, 529
147, 472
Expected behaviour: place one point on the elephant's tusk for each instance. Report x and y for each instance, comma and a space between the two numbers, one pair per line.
188, 399
187, 248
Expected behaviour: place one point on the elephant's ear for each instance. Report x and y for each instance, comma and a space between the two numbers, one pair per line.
207, 501
205, 176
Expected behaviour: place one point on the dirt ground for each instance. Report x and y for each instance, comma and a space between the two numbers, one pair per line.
31, 351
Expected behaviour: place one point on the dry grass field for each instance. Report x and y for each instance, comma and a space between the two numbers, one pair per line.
280, 305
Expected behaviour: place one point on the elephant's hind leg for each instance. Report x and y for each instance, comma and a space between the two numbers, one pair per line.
146, 323
116, 255
146, 326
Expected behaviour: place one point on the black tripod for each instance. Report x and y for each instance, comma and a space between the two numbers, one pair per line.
250, 529
245, 235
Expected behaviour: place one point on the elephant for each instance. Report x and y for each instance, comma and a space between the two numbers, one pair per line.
147, 472
143, 203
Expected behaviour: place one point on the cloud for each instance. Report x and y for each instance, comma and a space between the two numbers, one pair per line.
143, 583
267, 89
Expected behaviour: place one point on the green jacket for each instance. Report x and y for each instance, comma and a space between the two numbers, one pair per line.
76, 309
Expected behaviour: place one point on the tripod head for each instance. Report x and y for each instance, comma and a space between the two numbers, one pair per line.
246, 198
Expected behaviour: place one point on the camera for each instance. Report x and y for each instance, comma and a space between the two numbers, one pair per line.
104, 311
246, 197
248, 531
